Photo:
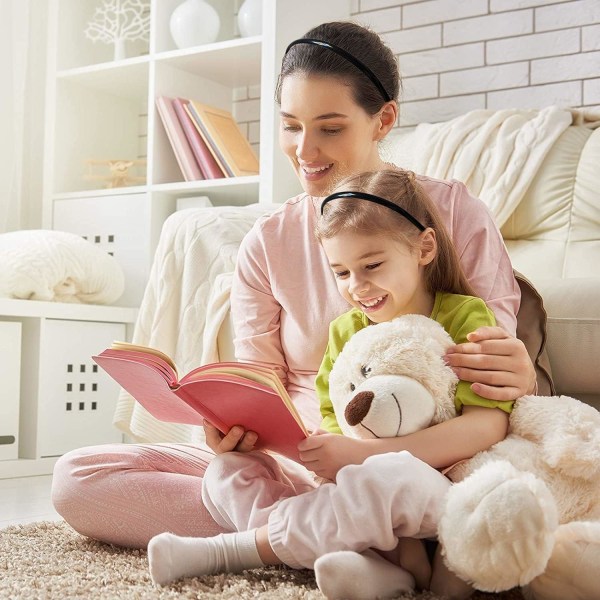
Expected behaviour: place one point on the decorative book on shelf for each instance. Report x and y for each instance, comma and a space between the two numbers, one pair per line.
225, 394
203, 156
223, 137
178, 139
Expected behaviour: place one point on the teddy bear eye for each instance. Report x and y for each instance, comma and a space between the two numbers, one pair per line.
352, 387
365, 370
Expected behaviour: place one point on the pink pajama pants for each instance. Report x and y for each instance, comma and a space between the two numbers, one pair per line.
370, 506
124, 494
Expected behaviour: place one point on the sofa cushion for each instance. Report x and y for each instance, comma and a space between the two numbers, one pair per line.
554, 232
573, 334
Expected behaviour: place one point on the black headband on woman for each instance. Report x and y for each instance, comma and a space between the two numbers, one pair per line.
348, 57
376, 200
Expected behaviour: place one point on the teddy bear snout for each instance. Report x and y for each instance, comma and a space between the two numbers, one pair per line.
358, 408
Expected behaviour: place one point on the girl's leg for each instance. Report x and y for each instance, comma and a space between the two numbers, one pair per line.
125, 494
370, 506
241, 489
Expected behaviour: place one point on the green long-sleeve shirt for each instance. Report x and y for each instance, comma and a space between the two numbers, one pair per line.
459, 315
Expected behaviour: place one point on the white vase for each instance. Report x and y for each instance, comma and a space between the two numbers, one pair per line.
193, 23
250, 18
119, 49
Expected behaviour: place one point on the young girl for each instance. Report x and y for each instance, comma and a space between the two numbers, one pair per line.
391, 256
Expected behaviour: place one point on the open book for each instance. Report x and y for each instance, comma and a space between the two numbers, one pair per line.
225, 394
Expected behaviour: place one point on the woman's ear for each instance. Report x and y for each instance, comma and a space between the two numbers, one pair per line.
387, 118
428, 246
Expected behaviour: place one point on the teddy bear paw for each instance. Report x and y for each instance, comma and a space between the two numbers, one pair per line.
498, 527
572, 571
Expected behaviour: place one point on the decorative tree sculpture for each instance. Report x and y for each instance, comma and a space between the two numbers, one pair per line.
118, 20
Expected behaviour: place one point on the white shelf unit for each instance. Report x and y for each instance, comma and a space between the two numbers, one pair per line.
98, 108
56, 399
94, 104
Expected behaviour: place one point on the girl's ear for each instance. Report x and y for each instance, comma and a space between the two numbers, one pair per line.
387, 118
428, 246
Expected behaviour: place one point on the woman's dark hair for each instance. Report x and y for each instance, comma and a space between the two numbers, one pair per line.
363, 44
444, 273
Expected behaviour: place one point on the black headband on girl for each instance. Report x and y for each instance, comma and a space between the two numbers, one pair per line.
376, 200
348, 57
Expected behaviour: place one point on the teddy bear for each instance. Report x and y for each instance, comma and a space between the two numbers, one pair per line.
526, 512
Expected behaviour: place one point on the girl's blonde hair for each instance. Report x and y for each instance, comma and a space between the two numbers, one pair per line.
443, 273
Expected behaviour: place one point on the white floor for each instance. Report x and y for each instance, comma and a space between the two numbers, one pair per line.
25, 500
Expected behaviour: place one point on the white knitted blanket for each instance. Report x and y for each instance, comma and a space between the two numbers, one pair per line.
495, 153
185, 302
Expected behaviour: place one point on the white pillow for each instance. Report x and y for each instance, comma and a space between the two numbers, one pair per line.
57, 266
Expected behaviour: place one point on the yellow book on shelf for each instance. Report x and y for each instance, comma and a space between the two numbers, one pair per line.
223, 135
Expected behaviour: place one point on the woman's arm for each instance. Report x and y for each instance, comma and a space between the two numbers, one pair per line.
496, 363
494, 360
442, 445
256, 318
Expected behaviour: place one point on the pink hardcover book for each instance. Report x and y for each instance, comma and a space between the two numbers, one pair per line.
209, 166
225, 394
179, 142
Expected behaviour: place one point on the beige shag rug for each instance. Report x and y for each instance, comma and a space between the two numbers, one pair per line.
49, 561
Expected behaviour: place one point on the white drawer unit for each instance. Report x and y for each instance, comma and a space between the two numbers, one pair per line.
68, 400
10, 366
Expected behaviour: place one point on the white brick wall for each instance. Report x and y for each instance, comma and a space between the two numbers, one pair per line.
457, 55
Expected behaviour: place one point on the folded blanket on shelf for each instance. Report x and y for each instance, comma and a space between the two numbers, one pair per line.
185, 302
57, 266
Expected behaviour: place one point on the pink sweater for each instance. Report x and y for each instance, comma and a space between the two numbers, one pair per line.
284, 294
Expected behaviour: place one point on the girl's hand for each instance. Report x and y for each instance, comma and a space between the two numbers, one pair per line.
326, 453
497, 364
236, 439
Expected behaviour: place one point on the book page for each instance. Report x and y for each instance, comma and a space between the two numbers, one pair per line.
117, 345
256, 373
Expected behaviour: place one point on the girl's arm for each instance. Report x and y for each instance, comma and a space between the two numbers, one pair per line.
442, 445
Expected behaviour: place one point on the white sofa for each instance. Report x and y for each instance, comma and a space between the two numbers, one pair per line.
553, 238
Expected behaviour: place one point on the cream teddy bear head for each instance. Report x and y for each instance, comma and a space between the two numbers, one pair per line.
390, 379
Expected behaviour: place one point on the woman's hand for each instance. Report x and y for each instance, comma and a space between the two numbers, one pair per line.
326, 453
497, 364
236, 439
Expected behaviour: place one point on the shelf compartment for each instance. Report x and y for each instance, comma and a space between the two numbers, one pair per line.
95, 119
73, 48
68, 403
235, 191
242, 57
161, 16
10, 368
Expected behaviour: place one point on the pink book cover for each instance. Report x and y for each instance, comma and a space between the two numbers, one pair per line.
179, 142
209, 166
223, 399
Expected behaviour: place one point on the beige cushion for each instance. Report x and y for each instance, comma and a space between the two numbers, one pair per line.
555, 231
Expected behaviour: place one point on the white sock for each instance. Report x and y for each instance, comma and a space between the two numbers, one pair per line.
353, 576
172, 557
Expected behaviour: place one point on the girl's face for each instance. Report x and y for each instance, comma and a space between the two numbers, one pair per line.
380, 275
325, 134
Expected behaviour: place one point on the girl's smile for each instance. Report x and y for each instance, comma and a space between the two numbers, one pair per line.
380, 275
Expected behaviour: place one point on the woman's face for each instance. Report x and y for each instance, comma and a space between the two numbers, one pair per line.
324, 133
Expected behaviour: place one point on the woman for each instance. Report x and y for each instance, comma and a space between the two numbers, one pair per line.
337, 103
